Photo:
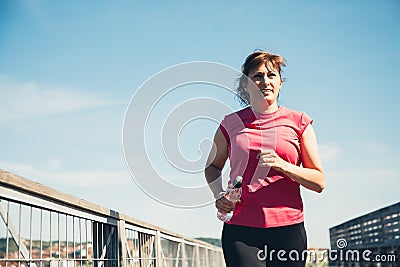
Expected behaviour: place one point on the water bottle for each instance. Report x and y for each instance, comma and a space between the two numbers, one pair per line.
232, 193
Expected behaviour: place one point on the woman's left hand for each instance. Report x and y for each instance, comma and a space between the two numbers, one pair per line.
269, 158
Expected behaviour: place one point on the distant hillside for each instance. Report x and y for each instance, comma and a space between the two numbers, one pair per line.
212, 241
12, 246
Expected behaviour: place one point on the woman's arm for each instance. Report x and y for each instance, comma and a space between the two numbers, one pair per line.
311, 174
215, 163
213, 171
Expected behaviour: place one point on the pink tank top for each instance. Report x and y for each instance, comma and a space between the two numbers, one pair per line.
269, 198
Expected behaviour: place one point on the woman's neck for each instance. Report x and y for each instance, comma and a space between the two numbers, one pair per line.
265, 108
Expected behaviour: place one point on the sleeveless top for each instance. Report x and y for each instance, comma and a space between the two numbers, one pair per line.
269, 198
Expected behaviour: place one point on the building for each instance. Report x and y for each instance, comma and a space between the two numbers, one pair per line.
369, 240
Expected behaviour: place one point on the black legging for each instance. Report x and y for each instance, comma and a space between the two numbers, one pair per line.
242, 246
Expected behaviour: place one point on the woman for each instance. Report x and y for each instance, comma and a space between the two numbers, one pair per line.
275, 150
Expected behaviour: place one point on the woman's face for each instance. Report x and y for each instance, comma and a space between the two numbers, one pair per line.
268, 82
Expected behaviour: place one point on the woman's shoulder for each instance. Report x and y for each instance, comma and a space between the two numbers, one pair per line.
285, 111
239, 114
299, 119
237, 118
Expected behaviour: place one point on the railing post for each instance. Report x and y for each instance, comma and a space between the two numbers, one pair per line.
184, 256
122, 243
207, 259
198, 260
97, 238
158, 249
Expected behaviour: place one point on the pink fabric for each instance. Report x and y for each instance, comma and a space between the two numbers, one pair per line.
269, 198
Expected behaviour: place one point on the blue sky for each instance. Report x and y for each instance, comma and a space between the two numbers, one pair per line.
68, 70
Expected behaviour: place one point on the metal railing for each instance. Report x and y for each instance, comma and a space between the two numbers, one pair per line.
40, 226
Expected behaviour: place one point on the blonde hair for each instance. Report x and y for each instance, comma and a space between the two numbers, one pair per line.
252, 61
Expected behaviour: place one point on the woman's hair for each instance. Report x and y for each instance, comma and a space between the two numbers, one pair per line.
252, 61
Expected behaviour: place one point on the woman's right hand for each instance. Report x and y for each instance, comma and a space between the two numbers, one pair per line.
224, 205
